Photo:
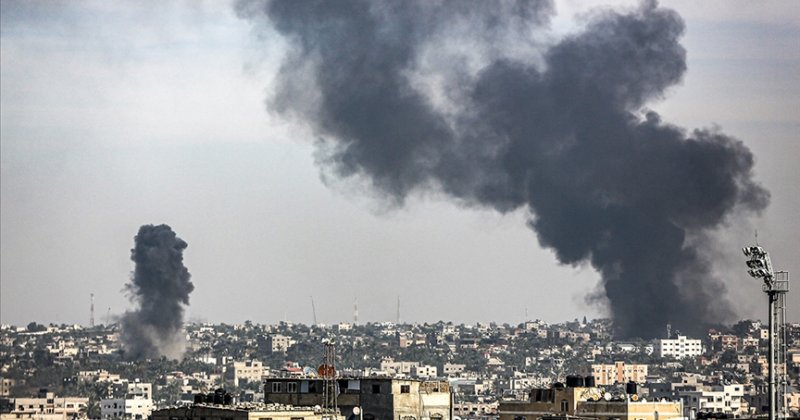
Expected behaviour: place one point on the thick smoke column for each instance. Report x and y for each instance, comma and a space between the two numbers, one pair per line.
160, 285
560, 130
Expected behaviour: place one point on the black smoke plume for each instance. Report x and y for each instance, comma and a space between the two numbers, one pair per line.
160, 286
471, 98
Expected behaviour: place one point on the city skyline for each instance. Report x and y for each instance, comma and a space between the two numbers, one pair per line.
115, 116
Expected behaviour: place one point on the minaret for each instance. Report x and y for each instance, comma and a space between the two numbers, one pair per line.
398, 309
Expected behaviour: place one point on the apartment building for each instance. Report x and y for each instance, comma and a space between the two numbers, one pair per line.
243, 372
137, 403
619, 373
679, 347
278, 343
374, 398
392, 367
586, 402
244, 412
136, 408
46, 406
727, 399
424, 372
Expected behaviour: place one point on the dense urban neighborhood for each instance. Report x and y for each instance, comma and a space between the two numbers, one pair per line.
67, 371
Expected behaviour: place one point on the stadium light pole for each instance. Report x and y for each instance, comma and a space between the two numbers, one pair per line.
760, 266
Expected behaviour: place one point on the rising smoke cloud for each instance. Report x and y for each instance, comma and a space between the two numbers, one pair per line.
160, 286
470, 98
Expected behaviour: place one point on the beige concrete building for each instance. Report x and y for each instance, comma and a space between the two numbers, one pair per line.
278, 343
46, 406
5, 386
619, 373
243, 412
247, 371
376, 398
586, 402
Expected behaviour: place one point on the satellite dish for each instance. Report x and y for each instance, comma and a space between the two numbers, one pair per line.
326, 371
607, 396
356, 410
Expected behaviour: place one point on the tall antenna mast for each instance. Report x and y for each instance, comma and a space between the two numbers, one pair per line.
355, 312
398, 309
314, 310
108, 316
91, 310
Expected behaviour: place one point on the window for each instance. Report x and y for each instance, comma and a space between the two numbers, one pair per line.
376, 389
291, 387
276, 387
564, 405
405, 389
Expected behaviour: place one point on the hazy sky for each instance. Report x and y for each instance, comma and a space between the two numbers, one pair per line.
114, 115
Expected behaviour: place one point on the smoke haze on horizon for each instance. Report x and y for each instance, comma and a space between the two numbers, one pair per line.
114, 114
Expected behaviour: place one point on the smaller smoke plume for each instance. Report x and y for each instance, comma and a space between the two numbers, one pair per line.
160, 285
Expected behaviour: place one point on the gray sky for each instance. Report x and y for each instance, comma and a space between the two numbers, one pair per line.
117, 115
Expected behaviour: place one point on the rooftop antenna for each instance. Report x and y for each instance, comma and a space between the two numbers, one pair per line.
91, 310
108, 316
526, 314
669, 330
314, 310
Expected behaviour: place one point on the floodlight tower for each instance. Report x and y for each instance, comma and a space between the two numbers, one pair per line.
775, 287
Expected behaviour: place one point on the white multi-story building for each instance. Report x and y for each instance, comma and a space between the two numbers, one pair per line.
679, 347
451, 369
424, 371
137, 404
716, 399
135, 408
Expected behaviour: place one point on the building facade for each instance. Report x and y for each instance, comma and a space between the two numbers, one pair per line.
46, 406
368, 398
242, 372
679, 347
255, 412
619, 373
587, 403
